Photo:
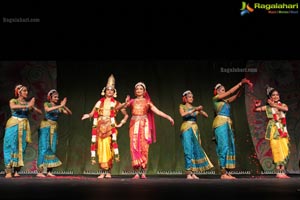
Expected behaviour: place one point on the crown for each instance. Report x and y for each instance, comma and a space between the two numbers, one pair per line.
111, 82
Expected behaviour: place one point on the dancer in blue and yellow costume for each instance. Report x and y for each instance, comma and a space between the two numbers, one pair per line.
48, 134
195, 157
17, 131
222, 126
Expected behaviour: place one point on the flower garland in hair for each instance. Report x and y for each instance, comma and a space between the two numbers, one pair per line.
280, 126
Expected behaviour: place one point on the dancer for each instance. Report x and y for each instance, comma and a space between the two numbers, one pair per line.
104, 130
17, 131
195, 157
222, 126
142, 131
276, 131
48, 134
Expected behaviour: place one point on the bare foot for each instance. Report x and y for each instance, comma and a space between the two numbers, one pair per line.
189, 176
49, 174
40, 175
226, 176
286, 176
8, 175
136, 176
194, 176
143, 176
108, 175
101, 176
232, 177
282, 175
16, 174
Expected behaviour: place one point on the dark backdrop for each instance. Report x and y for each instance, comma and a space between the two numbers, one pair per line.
82, 82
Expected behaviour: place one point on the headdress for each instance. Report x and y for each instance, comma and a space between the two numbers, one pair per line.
18, 89
184, 98
50, 93
140, 83
110, 85
269, 90
186, 92
216, 88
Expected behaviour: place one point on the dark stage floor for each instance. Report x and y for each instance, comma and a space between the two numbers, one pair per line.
155, 187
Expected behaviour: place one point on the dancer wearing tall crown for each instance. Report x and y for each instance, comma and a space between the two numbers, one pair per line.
104, 146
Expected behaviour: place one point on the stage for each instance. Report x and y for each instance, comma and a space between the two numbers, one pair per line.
154, 187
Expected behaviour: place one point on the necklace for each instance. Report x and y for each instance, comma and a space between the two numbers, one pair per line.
113, 130
280, 121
